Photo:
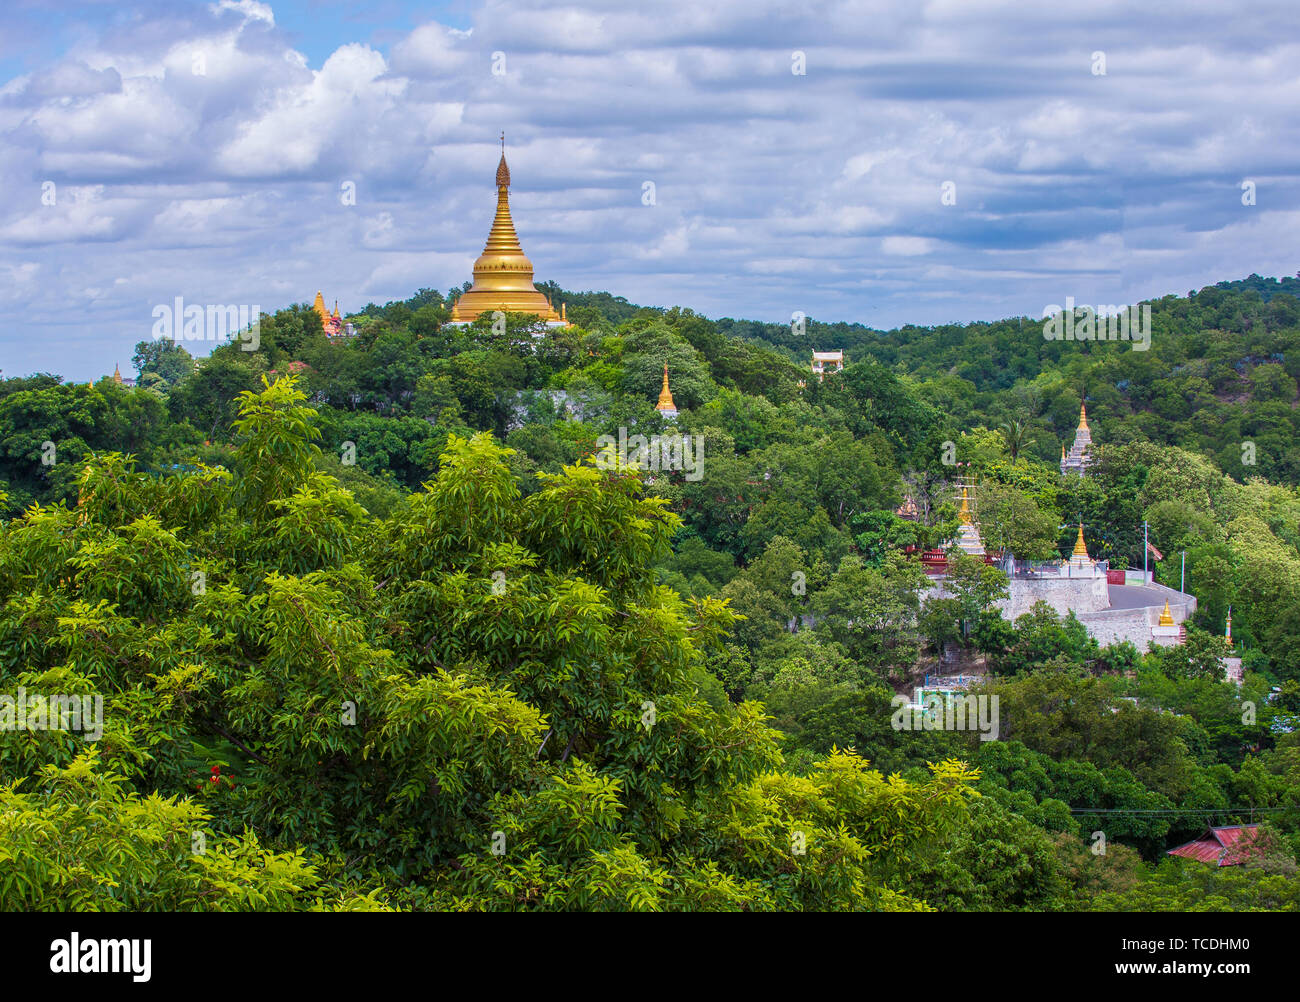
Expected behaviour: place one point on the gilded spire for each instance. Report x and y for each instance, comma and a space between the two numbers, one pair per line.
1080, 549
319, 306
964, 515
666, 396
117, 373
1227, 635
1166, 617
336, 309
503, 172
1083, 417
503, 276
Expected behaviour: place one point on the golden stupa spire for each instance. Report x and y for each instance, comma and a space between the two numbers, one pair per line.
336, 308
503, 276
1080, 549
319, 306
964, 515
117, 373
665, 396
1166, 617
1083, 417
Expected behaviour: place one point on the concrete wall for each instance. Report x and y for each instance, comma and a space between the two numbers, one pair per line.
1062, 594
1089, 599
1135, 625
1115, 625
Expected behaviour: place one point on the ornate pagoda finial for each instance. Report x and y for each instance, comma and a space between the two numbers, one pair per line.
1080, 548
1083, 417
503, 172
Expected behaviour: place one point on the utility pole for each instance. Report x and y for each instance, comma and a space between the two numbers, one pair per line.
1144, 551
1182, 578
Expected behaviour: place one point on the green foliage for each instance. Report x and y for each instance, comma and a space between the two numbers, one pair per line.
394, 639
365, 703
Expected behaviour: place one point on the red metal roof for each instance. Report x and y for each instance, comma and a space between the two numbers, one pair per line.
1226, 846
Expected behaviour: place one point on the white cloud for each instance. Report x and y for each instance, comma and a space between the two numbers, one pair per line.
250, 9
906, 246
213, 152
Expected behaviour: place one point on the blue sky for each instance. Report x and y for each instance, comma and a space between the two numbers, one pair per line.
152, 150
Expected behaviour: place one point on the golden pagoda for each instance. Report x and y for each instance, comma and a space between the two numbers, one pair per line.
968, 536
1166, 617
1080, 563
503, 277
666, 407
331, 323
1079, 457
117, 374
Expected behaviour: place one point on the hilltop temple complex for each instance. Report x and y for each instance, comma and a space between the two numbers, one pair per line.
1112, 605
503, 277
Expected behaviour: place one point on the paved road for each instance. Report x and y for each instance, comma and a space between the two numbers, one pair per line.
1136, 597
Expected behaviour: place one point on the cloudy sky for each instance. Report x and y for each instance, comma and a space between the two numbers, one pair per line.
150, 150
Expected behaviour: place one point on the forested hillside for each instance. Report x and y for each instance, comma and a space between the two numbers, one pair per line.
370, 616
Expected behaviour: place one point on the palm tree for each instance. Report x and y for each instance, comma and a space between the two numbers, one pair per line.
1013, 437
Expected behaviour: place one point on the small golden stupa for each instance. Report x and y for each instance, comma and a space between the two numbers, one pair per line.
503, 277
1080, 549
666, 407
968, 535
1166, 617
